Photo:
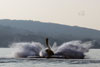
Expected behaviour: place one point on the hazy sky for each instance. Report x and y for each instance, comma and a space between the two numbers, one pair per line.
85, 13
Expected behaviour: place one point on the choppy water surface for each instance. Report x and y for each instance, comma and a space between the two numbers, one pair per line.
6, 61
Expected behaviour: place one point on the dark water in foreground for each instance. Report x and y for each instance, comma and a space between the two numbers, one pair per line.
29, 62
6, 62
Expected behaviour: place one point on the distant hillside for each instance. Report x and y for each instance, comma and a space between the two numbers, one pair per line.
27, 30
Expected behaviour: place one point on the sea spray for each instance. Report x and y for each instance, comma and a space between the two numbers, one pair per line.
76, 46
74, 49
25, 49
54, 47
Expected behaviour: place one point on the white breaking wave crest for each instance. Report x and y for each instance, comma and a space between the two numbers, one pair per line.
25, 49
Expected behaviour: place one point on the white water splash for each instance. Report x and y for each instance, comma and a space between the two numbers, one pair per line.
25, 49
74, 49
76, 46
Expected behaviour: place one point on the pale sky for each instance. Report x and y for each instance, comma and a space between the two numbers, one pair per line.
84, 13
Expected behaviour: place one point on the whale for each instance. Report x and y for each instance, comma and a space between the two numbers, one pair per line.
61, 52
46, 52
67, 50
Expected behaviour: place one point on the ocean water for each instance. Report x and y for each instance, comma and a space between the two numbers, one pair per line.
7, 61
